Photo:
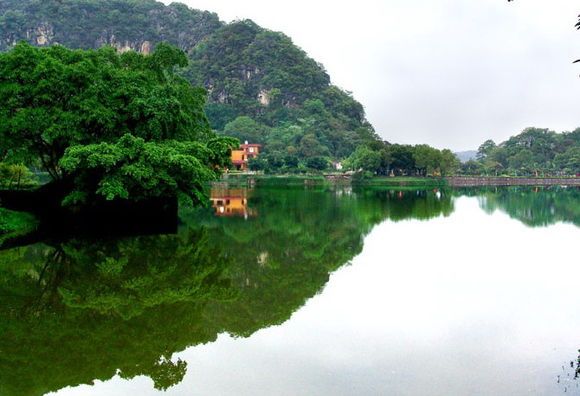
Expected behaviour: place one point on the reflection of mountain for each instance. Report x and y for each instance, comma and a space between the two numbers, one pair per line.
81, 310
533, 206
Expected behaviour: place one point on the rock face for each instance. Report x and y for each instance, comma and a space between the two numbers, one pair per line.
44, 34
264, 98
126, 25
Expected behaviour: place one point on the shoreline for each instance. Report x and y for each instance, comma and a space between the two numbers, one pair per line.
402, 181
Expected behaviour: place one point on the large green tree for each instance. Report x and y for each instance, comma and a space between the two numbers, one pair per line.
118, 125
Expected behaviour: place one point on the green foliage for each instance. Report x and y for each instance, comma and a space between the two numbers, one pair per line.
134, 169
534, 152
535, 207
426, 159
242, 60
248, 71
92, 23
448, 163
13, 221
485, 149
364, 159
401, 160
317, 163
122, 126
13, 224
246, 129
568, 161
16, 176
471, 167
285, 97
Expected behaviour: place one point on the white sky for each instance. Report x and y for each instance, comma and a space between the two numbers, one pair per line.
450, 73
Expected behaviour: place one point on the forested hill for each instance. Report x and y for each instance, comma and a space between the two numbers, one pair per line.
261, 86
534, 152
125, 24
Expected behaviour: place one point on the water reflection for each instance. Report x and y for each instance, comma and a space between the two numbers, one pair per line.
231, 202
533, 206
80, 310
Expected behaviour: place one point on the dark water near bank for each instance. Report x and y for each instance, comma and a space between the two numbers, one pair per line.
307, 292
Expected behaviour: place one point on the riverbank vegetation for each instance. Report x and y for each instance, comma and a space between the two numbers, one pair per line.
15, 223
16, 176
534, 152
385, 159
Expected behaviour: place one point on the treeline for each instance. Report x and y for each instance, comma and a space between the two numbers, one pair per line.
534, 152
385, 159
16, 176
370, 158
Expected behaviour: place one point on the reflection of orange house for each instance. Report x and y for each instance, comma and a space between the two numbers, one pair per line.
246, 152
231, 202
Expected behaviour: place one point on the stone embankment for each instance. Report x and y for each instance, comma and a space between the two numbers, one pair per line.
511, 181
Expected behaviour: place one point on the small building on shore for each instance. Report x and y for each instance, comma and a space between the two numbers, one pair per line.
241, 157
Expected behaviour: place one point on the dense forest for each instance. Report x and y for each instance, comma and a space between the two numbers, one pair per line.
534, 152
261, 87
386, 159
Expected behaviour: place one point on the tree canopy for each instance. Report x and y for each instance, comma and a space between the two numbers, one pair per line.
534, 152
119, 125
387, 159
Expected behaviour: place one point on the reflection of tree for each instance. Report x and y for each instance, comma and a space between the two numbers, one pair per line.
533, 206
412, 204
84, 310
285, 255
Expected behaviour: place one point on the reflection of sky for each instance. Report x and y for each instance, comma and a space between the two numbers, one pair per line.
471, 304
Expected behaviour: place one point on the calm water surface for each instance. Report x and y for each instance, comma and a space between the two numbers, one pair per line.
307, 292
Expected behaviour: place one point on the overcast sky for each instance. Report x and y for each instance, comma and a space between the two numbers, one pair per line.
450, 73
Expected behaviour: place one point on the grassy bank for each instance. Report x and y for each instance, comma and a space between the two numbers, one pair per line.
274, 180
15, 224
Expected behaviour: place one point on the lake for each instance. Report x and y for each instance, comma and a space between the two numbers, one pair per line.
307, 291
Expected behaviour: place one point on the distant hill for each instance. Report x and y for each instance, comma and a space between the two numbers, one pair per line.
247, 70
465, 156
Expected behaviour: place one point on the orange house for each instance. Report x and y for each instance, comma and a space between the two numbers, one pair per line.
241, 157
